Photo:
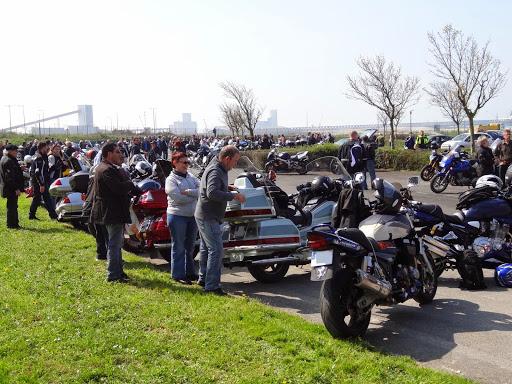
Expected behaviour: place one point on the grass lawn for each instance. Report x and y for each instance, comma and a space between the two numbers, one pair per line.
60, 322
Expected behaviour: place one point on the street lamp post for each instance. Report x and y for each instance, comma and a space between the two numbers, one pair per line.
410, 121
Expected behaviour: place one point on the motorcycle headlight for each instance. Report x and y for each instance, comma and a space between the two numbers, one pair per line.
482, 245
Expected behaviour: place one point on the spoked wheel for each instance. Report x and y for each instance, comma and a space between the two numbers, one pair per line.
429, 280
427, 172
268, 274
439, 183
342, 320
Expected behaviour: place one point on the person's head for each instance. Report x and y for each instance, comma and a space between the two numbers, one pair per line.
11, 150
506, 134
354, 136
365, 139
42, 148
136, 140
180, 162
111, 153
229, 156
422, 133
153, 144
56, 149
483, 141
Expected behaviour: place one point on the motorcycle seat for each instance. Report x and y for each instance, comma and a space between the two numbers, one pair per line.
284, 156
356, 235
302, 220
432, 209
294, 157
456, 218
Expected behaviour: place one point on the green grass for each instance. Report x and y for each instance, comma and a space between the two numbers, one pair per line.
60, 322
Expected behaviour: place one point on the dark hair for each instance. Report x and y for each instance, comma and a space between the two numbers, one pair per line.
108, 148
176, 156
41, 145
228, 151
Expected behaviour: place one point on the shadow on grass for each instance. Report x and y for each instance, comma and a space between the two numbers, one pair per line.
48, 230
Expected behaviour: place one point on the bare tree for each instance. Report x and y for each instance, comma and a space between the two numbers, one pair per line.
381, 85
383, 120
444, 96
244, 98
470, 70
233, 118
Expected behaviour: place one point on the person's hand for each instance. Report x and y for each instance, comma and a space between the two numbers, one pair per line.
18, 192
41, 189
232, 188
239, 197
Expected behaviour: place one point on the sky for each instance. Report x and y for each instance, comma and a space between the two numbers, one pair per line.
130, 58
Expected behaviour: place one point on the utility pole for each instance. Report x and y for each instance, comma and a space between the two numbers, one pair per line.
410, 121
154, 121
24, 126
10, 120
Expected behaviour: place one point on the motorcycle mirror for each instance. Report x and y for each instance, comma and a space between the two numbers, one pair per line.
359, 178
413, 180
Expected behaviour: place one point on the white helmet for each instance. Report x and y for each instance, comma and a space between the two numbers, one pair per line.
491, 181
143, 167
27, 159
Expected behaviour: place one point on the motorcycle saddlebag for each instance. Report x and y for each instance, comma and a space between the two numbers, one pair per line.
472, 196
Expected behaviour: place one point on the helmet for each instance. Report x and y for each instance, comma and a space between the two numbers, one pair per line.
434, 145
388, 196
148, 185
91, 154
27, 159
143, 167
491, 181
321, 184
136, 158
503, 275
189, 147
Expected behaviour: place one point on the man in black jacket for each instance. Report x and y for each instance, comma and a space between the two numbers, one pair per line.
12, 183
40, 177
111, 206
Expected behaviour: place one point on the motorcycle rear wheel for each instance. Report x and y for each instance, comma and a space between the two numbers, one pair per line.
439, 183
427, 172
341, 322
268, 274
302, 170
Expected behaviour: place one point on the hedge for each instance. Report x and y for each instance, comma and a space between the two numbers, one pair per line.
386, 158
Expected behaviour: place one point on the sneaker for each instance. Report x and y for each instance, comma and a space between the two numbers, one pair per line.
218, 292
101, 258
192, 277
119, 280
183, 281
200, 283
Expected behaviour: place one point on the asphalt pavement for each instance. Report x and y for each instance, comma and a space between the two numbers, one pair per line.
463, 332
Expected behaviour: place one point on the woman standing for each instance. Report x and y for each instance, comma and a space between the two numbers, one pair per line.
55, 163
182, 190
485, 157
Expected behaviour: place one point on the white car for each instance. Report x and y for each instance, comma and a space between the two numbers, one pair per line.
464, 140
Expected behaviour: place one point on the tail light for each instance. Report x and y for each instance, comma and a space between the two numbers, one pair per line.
317, 241
148, 196
66, 200
83, 196
57, 182
385, 245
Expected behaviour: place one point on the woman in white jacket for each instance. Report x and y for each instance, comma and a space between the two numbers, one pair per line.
182, 190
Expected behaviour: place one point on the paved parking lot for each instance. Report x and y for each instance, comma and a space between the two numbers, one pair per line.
464, 332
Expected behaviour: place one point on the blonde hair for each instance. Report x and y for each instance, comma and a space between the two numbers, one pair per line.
481, 139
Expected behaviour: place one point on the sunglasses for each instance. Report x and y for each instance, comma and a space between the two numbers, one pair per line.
186, 162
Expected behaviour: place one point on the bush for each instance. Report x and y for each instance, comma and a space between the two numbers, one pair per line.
401, 159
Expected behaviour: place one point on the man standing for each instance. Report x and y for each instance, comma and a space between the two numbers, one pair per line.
111, 204
12, 183
40, 177
503, 154
153, 154
351, 154
421, 141
214, 193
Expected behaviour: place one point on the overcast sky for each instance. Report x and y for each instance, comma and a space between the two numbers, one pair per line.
126, 57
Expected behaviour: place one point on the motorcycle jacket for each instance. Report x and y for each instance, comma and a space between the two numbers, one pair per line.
39, 171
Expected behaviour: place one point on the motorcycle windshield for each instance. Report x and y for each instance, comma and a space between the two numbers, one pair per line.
327, 166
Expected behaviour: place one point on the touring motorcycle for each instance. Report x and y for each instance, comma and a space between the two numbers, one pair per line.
456, 169
283, 162
379, 263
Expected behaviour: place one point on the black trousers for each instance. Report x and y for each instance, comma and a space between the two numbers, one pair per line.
12, 210
48, 202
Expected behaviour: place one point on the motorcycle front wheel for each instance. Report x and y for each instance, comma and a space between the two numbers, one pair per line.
439, 183
302, 170
429, 280
268, 274
342, 321
427, 172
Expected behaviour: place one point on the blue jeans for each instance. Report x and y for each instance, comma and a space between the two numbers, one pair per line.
114, 258
370, 168
48, 202
211, 252
183, 236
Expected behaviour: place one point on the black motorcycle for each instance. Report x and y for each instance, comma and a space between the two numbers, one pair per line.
283, 162
428, 171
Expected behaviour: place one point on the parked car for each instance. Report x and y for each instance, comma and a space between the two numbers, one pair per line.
438, 139
370, 132
464, 139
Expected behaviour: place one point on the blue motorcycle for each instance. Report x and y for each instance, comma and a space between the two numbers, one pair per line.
456, 169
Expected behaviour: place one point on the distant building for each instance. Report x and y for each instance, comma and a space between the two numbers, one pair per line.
69, 130
269, 124
184, 127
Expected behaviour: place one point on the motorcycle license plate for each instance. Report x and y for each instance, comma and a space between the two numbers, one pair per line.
319, 258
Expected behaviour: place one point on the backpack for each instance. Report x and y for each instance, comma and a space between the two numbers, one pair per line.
470, 270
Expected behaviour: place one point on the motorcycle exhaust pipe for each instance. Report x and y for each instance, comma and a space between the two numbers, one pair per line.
370, 283
436, 246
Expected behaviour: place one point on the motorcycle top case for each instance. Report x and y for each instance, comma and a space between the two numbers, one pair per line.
79, 181
154, 199
60, 187
257, 206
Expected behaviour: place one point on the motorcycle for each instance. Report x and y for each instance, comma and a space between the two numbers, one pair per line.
379, 263
428, 171
283, 162
456, 169
268, 232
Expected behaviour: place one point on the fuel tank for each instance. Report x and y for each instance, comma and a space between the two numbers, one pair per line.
385, 227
